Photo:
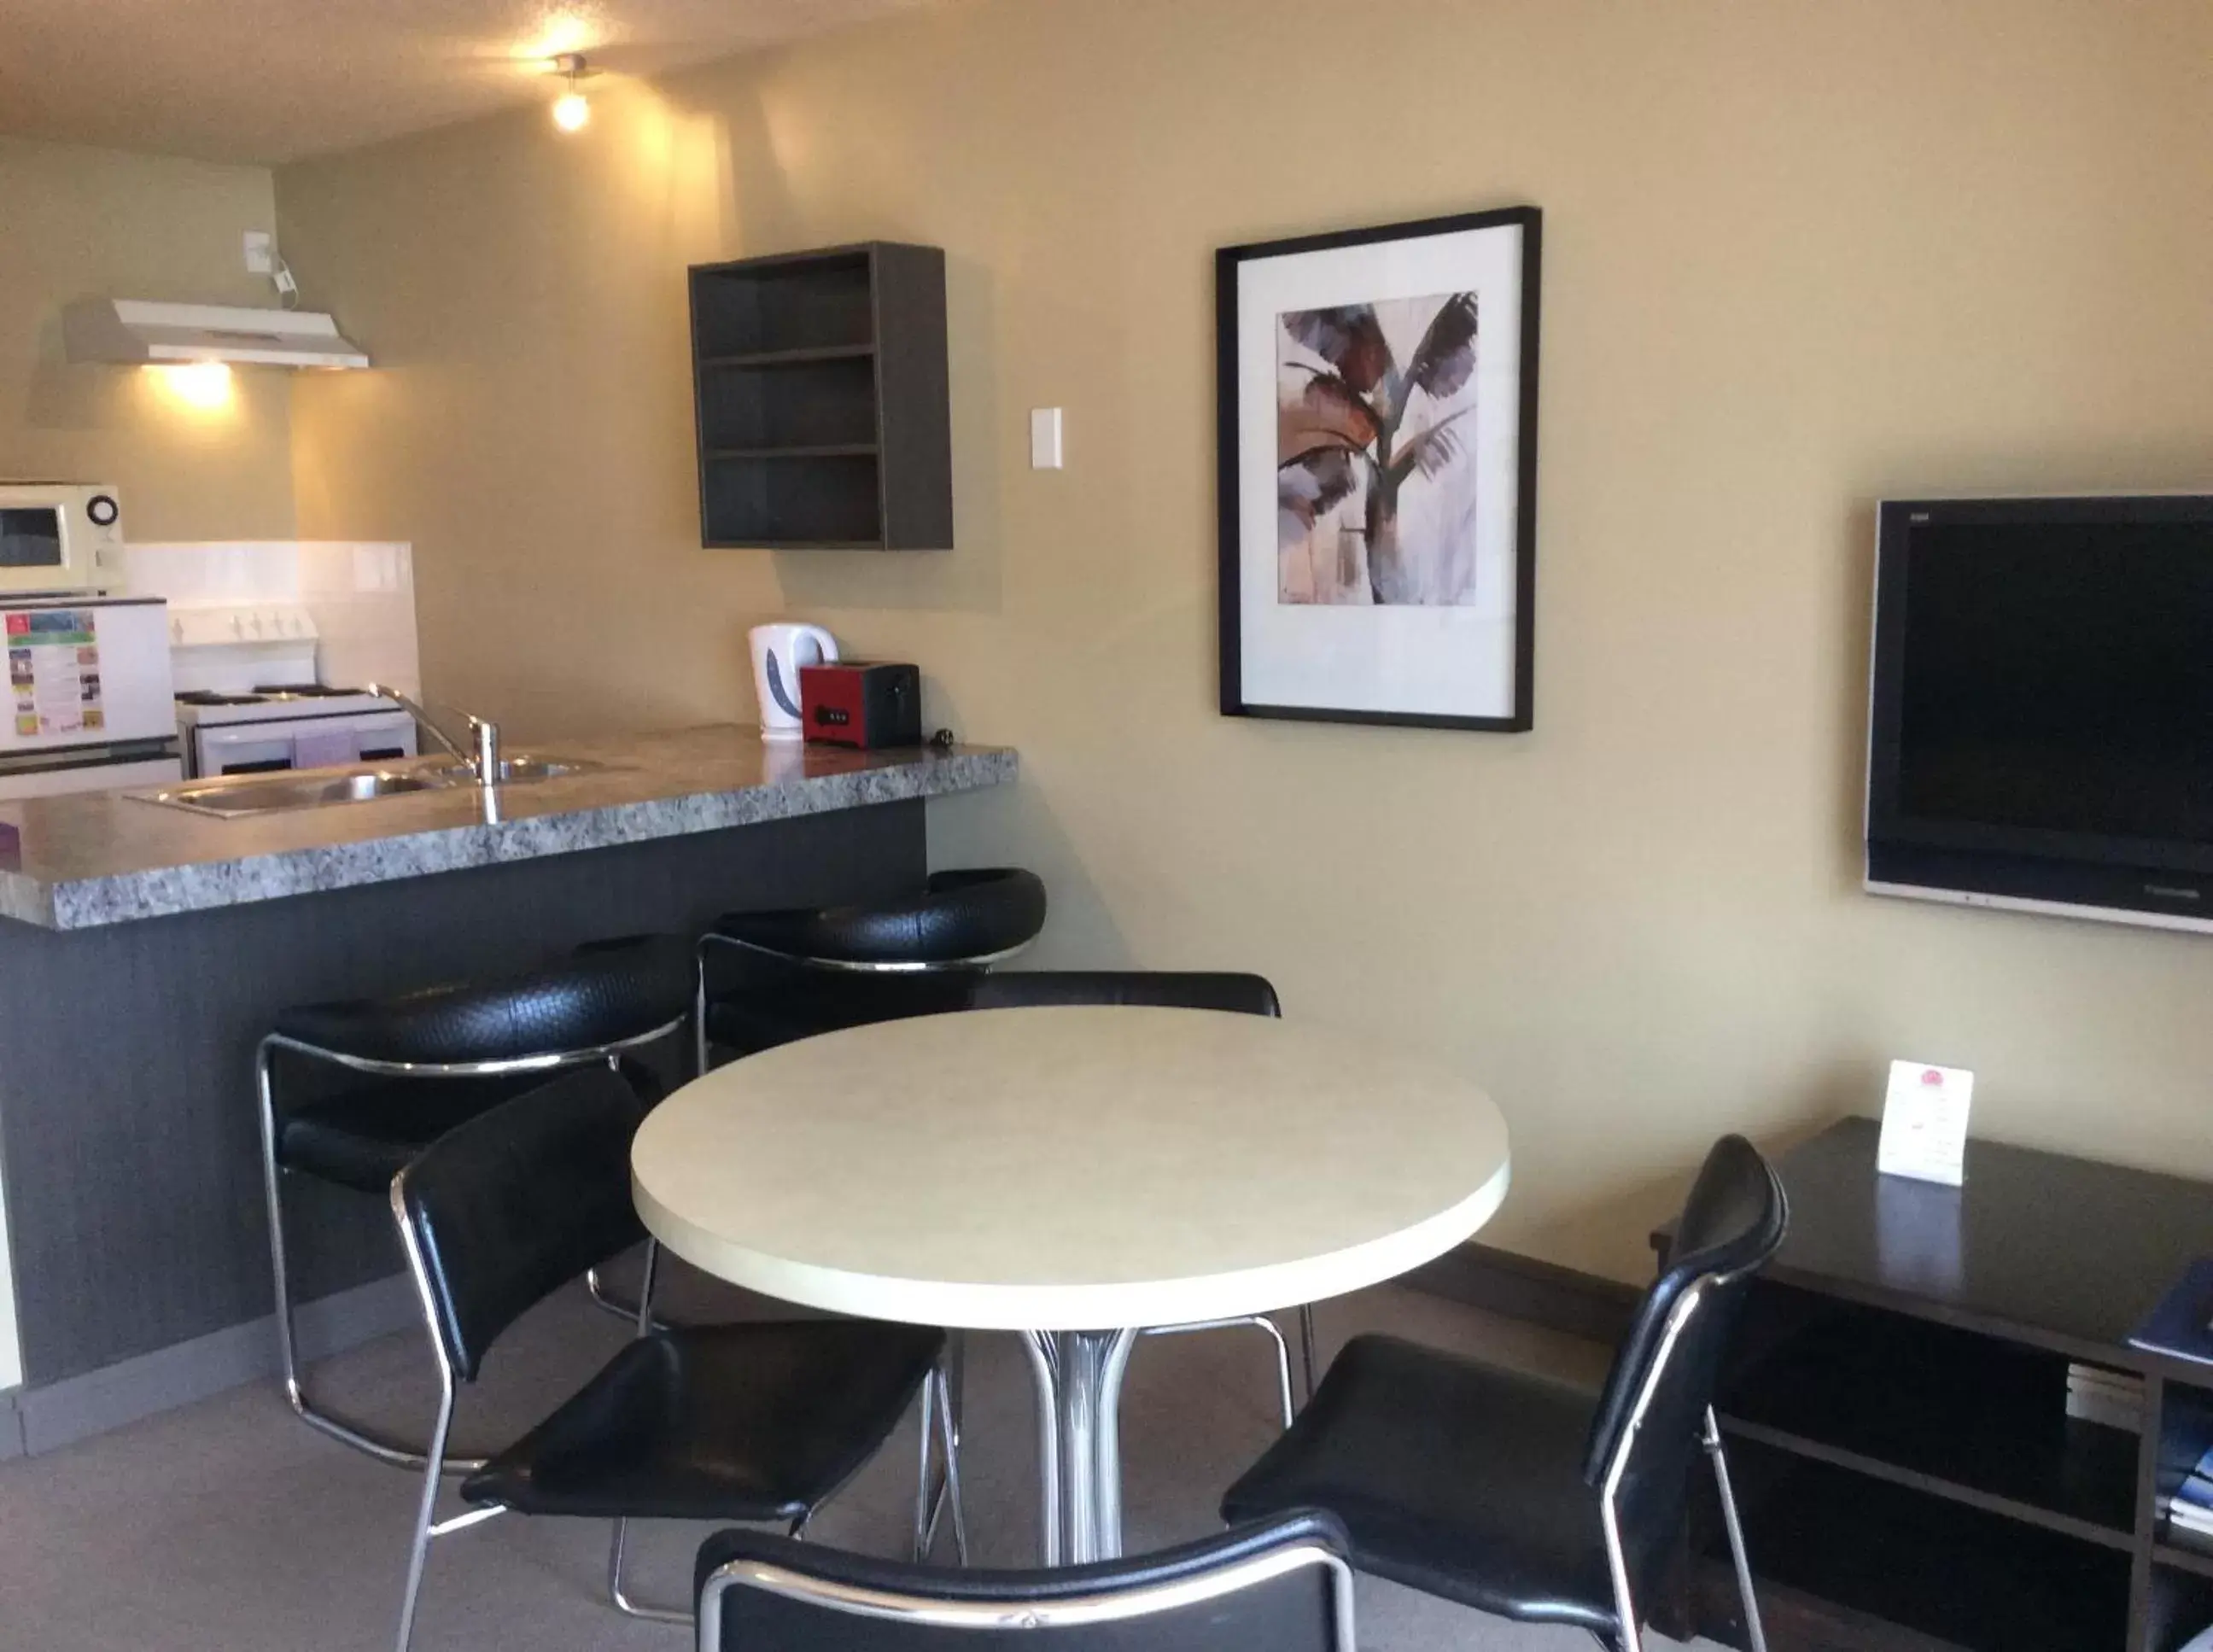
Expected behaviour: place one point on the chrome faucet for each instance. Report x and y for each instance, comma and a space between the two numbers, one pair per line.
484, 733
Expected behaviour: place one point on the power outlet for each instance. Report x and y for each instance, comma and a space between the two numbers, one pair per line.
260, 253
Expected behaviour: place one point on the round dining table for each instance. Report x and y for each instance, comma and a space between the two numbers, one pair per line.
1077, 1175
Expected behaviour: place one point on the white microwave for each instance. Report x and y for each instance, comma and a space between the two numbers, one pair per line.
59, 536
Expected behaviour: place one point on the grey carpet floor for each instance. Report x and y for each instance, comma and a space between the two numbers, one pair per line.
230, 1527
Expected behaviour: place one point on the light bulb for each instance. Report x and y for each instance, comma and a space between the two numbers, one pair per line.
571, 111
204, 385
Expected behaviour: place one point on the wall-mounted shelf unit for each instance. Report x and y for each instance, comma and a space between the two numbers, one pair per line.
819, 384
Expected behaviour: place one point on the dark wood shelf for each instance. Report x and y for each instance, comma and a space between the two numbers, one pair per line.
1895, 1400
828, 451
820, 391
2171, 1550
1937, 1569
1981, 1422
1912, 1480
792, 357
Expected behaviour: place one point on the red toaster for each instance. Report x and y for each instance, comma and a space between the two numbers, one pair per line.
865, 702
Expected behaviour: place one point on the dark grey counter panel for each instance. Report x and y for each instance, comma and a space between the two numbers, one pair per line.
127, 1127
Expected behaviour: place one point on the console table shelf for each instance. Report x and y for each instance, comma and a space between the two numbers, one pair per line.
1896, 1400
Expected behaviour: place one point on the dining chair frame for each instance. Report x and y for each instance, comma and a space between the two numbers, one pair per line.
1710, 1438
713, 938
1014, 1614
436, 1466
1260, 1322
347, 1432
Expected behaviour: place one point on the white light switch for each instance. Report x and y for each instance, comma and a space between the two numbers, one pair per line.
260, 253
1045, 438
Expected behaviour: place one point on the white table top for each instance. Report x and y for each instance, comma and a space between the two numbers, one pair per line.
1069, 1167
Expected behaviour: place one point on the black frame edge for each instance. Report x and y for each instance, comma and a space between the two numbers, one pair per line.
1230, 649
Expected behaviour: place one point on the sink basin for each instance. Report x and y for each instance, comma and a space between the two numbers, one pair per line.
241, 795
303, 789
515, 771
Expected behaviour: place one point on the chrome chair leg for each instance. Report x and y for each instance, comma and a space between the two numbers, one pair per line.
605, 1299
1711, 1439
925, 1510
941, 1429
1260, 1322
1307, 1346
433, 1467
623, 1603
637, 1313
949, 1430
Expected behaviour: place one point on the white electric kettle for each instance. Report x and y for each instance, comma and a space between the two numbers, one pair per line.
779, 652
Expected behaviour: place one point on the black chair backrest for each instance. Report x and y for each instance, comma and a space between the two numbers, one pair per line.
1282, 1585
603, 993
957, 916
506, 1209
1732, 1222
1243, 995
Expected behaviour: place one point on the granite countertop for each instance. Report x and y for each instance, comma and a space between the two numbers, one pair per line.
94, 858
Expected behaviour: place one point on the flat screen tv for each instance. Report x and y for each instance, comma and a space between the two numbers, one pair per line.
2041, 731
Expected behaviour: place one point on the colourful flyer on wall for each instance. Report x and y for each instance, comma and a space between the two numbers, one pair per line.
53, 671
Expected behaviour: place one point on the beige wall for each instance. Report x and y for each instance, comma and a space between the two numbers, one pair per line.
77, 222
1798, 256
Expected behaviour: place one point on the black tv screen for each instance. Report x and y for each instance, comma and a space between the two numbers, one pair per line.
2042, 714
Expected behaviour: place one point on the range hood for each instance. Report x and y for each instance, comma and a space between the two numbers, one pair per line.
135, 330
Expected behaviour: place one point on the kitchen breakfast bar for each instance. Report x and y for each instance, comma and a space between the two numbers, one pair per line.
147, 949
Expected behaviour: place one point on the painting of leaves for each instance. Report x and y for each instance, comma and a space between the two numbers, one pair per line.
1375, 431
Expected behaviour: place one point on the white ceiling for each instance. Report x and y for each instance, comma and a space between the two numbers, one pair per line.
269, 81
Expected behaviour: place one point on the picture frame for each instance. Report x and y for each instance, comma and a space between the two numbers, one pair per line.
1377, 404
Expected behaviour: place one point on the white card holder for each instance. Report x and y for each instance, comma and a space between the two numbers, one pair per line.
1924, 1123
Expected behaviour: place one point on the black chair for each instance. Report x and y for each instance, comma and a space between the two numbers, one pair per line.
434, 1060
1234, 994
1522, 1497
750, 1422
810, 970
1281, 1586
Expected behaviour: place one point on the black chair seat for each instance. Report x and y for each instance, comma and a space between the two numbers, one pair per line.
956, 918
364, 1137
1455, 1478
750, 1422
599, 995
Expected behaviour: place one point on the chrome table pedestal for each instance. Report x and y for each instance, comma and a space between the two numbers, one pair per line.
1079, 1399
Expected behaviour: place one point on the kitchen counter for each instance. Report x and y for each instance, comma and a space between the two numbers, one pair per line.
135, 1270
102, 858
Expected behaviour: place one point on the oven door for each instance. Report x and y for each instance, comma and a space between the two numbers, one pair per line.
301, 743
241, 748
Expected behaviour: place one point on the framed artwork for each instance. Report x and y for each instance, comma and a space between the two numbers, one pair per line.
1379, 466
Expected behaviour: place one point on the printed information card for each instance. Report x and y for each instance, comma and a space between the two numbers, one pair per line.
53, 671
1924, 1123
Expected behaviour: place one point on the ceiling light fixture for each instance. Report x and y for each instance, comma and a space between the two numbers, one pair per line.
572, 110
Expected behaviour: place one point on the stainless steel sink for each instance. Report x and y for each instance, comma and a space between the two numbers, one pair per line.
516, 770
241, 796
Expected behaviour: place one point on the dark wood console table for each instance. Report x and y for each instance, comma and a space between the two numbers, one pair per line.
1896, 1409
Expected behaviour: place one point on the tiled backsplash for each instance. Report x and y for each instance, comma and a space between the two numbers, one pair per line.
361, 597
